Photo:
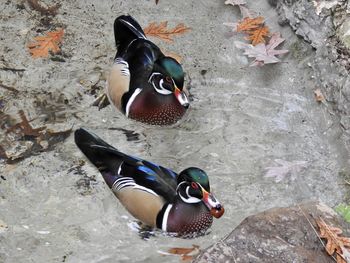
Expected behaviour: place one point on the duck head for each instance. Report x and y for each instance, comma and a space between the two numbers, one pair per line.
193, 187
168, 79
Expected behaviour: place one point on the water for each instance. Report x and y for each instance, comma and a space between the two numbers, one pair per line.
241, 119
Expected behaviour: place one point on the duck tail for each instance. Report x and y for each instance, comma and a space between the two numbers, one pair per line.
99, 153
126, 29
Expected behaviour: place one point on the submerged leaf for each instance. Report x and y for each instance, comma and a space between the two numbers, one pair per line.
285, 168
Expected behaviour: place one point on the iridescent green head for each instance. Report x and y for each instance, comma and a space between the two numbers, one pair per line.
170, 67
196, 175
167, 78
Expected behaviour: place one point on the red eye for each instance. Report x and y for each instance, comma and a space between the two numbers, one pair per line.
194, 185
168, 79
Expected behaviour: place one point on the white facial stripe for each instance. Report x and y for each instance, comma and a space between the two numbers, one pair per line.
190, 199
160, 90
165, 217
131, 100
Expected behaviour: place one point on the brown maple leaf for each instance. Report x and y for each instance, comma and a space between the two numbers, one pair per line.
248, 24
335, 243
47, 43
258, 35
161, 31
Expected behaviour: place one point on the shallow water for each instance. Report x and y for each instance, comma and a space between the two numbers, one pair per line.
241, 119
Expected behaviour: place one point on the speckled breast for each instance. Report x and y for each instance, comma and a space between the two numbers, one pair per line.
156, 109
186, 219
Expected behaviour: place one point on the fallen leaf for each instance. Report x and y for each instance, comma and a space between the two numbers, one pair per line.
248, 24
258, 36
263, 54
285, 168
318, 95
157, 1
47, 43
161, 31
186, 254
335, 243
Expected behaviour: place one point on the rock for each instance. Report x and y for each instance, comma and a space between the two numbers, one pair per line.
326, 26
311, 23
277, 235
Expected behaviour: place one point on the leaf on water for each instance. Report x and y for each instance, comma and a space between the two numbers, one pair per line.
335, 243
318, 95
344, 211
248, 24
258, 36
263, 54
161, 31
286, 168
45, 44
186, 254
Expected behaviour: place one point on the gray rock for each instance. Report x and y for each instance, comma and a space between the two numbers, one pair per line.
276, 235
302, 16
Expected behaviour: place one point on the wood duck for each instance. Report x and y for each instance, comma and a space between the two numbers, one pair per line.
143, 83
160, 198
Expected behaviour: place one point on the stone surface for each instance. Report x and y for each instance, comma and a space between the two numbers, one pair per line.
326, 26
277, 235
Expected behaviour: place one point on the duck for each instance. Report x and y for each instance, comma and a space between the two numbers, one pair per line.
177, 203
143, 83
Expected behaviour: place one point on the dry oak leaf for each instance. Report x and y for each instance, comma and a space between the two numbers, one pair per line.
47, 43
248, 24
335, 243
263, 54
258, 36
161, 31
